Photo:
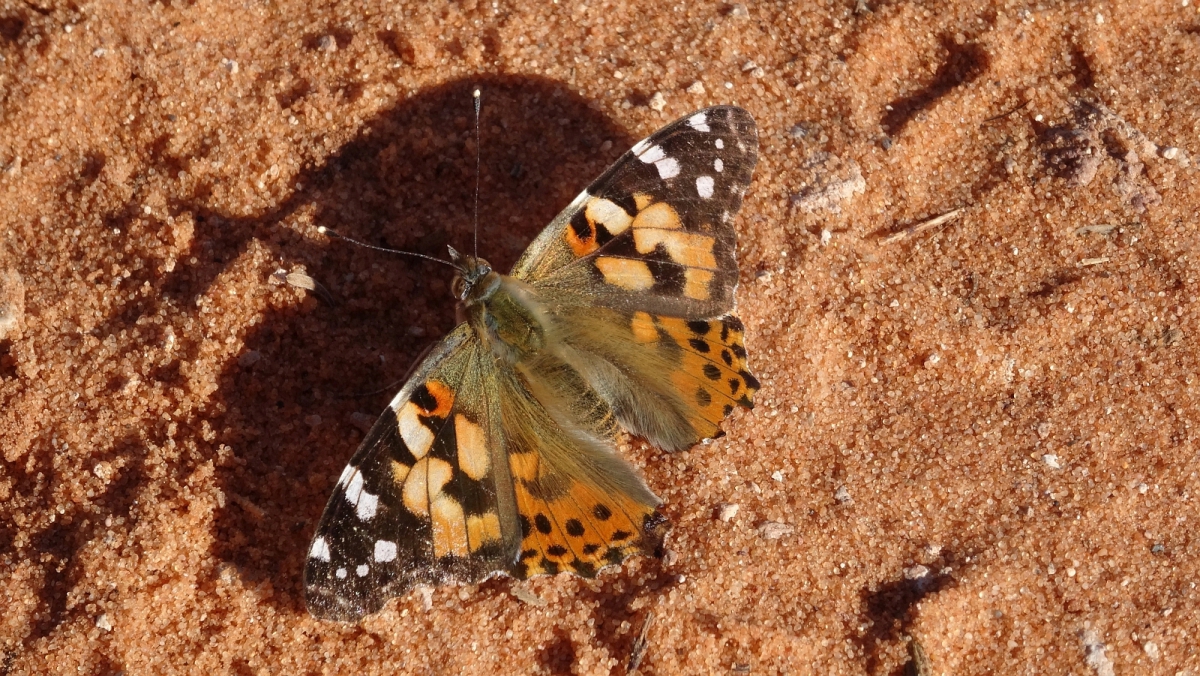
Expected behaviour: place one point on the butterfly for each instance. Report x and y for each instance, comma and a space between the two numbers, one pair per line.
499, 453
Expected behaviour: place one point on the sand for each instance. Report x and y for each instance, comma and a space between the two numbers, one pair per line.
977, 437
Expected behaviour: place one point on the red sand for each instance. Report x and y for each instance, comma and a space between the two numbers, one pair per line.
980, 437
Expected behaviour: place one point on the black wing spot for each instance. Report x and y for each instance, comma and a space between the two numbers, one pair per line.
550, 567
602, 512
574, 528
583, 229
698, 345
727, 357
698, 326
556, 550
703, 397
727, 410
621, 535
734, 384
424, 399
528, 554
751, 381
526, 529
712, 372
625, 201
583, 568
542, 523
591, 549
739, 351
614, 555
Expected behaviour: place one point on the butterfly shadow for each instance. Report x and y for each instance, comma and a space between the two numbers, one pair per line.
293, 405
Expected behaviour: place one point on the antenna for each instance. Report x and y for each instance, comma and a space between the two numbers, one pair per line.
337, 235
477, 95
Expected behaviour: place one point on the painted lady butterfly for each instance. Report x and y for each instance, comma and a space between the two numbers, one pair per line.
498, 455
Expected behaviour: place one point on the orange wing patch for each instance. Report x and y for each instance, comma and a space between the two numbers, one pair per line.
654, 226
582, 531
713, 375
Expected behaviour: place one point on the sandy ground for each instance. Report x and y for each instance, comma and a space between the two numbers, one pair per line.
978, 437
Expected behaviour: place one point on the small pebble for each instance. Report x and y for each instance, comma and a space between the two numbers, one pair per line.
12, 304
670, 557
657, 102
773, 530
526, 595
727, 511
1051, 461
696, 87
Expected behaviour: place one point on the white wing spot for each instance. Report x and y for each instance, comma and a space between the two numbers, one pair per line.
667, 167
704, 186
649, 155
319, 550
640, 146
362, 570
698, 122
718, 165
720, 144
341, 573
367, 505
385, 551
354, 486
345, 475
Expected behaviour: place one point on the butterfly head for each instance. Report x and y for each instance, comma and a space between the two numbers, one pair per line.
475, 280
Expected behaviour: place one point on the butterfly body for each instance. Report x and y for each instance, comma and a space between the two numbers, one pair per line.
498, 455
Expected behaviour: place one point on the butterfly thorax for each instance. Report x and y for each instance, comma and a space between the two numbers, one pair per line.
502, 311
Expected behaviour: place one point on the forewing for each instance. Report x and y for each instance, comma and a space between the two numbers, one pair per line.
427, 498
655, 232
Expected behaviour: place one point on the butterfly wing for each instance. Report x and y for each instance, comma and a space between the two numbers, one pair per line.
655, 232
640, 272
581, 507
427, 497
